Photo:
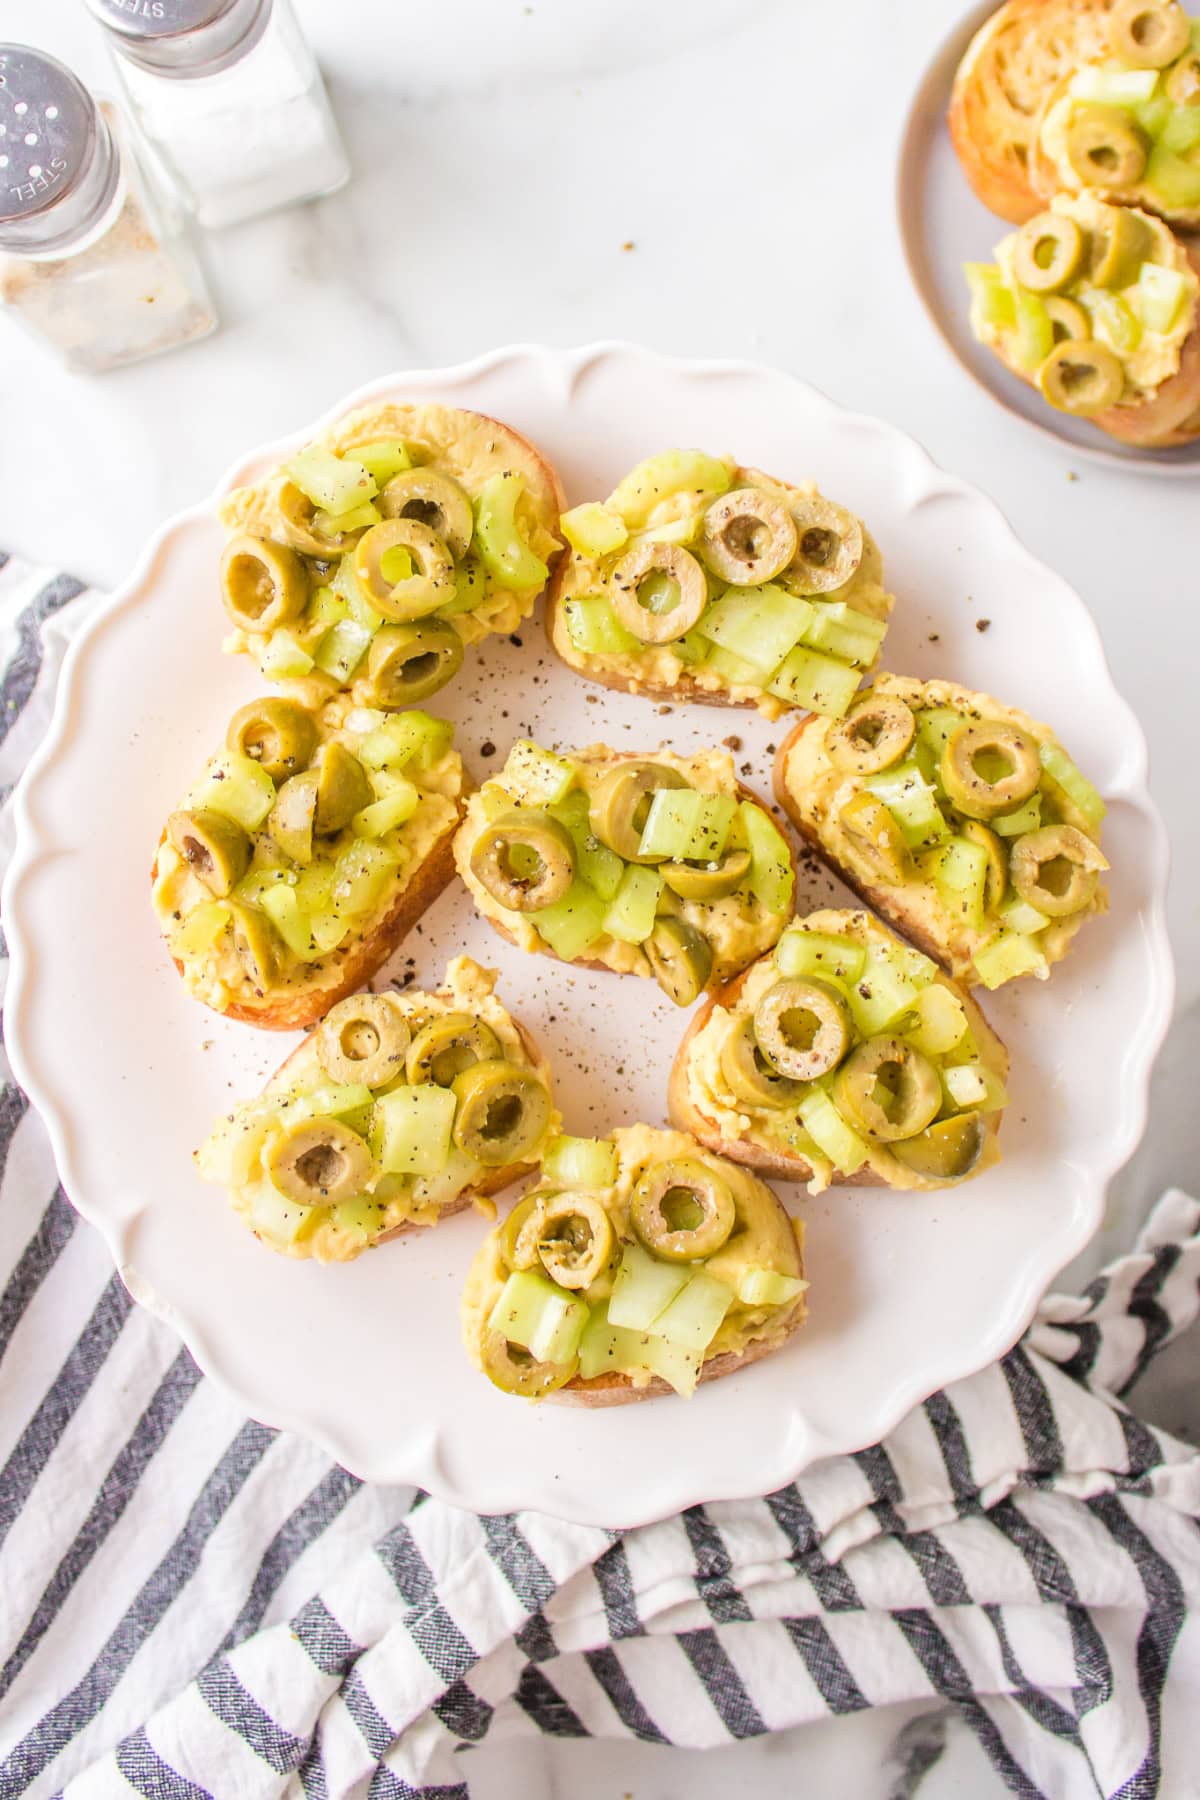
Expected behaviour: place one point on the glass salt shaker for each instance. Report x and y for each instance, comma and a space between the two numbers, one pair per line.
93, 258
229, 94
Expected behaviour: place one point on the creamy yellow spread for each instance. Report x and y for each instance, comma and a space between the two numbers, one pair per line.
1056, 125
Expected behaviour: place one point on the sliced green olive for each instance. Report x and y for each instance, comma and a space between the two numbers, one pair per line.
262, 584
407, 663
945, 1151
1105, 148
681, 1210
435, 500
1119, 248
1146, 35
989, 768
1183, 81
503, 1112
279, 734
1081, 378
747, 537
876, 842
518, 1240
1068, 320
802, 1028
291, 819
575, 1239
365, 1039
319, 1162
887, 1089
680, 957
254, 944
447, 1046
427, 578
618, 808
750, 1077
343, 788
873, 735
658, 592
708, 880
829, 546
514, 1371
1048, 253
215, 849
299, 516
1056, 869
525, 859
996, 879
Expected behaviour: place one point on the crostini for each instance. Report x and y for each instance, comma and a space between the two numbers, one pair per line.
308, 848
658, 865
843, 1055
1098, 307
368, 559
398, 1110
700, 580
961, 821
638, 1265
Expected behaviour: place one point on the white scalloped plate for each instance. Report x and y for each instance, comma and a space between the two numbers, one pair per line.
908, 1292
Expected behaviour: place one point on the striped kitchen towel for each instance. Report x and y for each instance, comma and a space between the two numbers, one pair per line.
193, 1605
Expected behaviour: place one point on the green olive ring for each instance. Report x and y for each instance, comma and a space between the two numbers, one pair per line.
298, 514
677, 565
1081, 378
680, 959
215, 849
996, 879
985, 796
319, 1162
435, 500
525, 859
947, 1150
279, 735
1068, 319
364, 1038
263, 585
876, 841
829, 546
802, 1028
408, 663
1105, 148
747, 537
447, 1046
343, 789
518, 1240
1183, 81
680, 1190
514, 1371
1120, 247
1146, 35
708, 880
574, 1238
750, 1078
1048, 253
254, 945
873, 736
417, 594
911, 1089
622, 799
503, 1111
1056, 869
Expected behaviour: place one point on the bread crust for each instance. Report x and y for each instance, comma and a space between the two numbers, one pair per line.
618, 1390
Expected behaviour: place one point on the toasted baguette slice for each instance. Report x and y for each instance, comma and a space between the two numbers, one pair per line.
812, 791
239, 963
234, 1155
700, 1100
763, 1238
1012, 64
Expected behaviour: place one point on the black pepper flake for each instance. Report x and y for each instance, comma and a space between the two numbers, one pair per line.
516, 641
488, 749
983, 624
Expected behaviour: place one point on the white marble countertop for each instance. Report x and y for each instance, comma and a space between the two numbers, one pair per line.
709, 180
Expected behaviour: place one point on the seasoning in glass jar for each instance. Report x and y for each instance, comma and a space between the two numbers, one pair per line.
93, 259
230, 96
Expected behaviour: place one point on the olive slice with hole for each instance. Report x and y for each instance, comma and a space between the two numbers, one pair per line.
364, 1038
525, 859
215, 849
875, 841
1119, 248
291, 819
621, 801
298, 515
255, 945
750, 1078
829, 546
658, 592
319, 1162
408, 663
948, 1150
747, 537
681, 1209
514, 1371
428, 582
448, 1045
1183, 81
575, 1239
1081, 378
1056, 869
873, 735
887, 1090
343, 788
680, 959
518, 1240
280, 735
433, 499
1068, 320
989, 767
1048, 253
996, 879
263, 585
802, 1028
708, 880
1148, 36
503, 1112
1105, 148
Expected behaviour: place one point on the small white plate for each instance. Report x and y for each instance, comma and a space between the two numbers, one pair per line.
943, 226
908, 1291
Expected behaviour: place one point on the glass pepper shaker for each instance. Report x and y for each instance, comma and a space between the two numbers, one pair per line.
229, 94
93, 259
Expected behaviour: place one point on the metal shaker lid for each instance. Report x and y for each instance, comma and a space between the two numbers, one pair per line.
56, 157
182, 37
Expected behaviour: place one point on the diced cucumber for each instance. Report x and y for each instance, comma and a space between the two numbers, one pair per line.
960, 873
940, 1020
336, 483
883, 992
346, 1100
412, 1128
383, 815
683, 823
289, 918
539, 1316
345, 585
594, 629
406, 736
1026, 818
361, 874
1008, 955
1174, 180
536, 777
579, 1162
993, 303
608, 1349
342, 649
573, 923
383, 458
236, 787
694, 1316
912, 802
279, 1220
594, 529
1017, 915
1077, 788
851, 636
1113, 87
1181, 129
759, 625
767, 1287
282, 658
1159, 293
199, 930
664, 476
1034, 332
732, 669
360, 1218
630, 917
830, 1132
1114, 323
820, 683
802, 954
644, 1287
771, 879
974, 1088
230, 1153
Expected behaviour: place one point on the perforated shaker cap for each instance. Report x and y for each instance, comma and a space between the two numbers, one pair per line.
182, 38
58, 166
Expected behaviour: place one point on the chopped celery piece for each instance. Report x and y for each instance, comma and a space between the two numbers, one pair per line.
403, 737
470, 588
1114, 322
883, 992
1113, 87
1159, 293
383, 458
767, 1287
230, 1153
411, 1134
335, 483
357, 519
594, 629
683, 823
1175, 180
573, 922
771, 879
544, 1319
630, 917
1075, 785
673, 531
606, 1349
993, 303
935, 726
663, 477
289, 918
691, 649
347, 1100
236, 787
382, 816
912, 802
440, 1189
841, 613
343, 648
1026, 818
844, 633
595, 864
1153, 115
1017, 915
960, 873
198, 932
972, 1086
280, 1221
593, 529
757, 624
733, 669
258, 882
1181, 129
360, 1218
346, 586
830, 1132
536, 777
360, 875
580, 1162
327, 607
314, 887
694, 1316
801, 954
940, 1021
644, 1287
813, 680
1008, 955
504, 553
1034, 332
282, 658
679, 1368
328, 931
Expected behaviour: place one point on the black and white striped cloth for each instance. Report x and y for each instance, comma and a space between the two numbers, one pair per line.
192, 1604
